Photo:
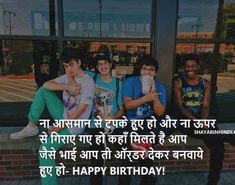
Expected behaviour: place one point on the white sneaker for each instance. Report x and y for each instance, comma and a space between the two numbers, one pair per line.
25, 132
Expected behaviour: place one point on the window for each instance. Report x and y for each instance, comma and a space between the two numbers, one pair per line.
113, 18
197, 18
229, 19
124, 55
25, 65
225, 94
198, 21
27, 17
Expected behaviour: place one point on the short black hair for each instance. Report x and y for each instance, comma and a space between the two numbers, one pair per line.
102, 56
191, 56
148, 60
70, 54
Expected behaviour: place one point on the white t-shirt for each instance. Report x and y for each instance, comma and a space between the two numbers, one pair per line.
72, 102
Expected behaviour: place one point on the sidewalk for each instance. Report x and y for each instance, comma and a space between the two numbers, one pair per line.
19, 163
227, 178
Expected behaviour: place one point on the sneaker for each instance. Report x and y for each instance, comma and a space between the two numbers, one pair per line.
25, 132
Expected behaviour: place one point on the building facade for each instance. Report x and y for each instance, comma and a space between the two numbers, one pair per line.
33, 34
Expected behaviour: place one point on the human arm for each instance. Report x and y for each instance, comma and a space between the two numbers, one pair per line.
133, 104
59, 84
159, 102
206, 101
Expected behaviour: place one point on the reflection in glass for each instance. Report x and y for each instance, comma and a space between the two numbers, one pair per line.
24, 66
226, 83
27, 17
229, 19
110, 18
16, 71
197, 19
124, 55
46, 63
204, 50
226, 72
17, 57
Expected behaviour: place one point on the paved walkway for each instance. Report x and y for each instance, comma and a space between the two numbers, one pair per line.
227, 178
17, 90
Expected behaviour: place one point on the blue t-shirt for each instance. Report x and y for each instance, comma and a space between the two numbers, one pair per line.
105, 100
90, 73
132, 88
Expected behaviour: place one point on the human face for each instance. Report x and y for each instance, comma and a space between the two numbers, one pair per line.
148, 70
72, 68
104, 67
190, 68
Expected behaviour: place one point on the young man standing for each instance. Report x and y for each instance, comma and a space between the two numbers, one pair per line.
192, 98
144, 97
108, 104
78, 92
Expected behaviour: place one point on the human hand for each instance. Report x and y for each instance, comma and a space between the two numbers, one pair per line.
151, 85
74, 89
151, 96
72, 114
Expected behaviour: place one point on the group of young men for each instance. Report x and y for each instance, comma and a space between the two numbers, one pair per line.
137, 97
